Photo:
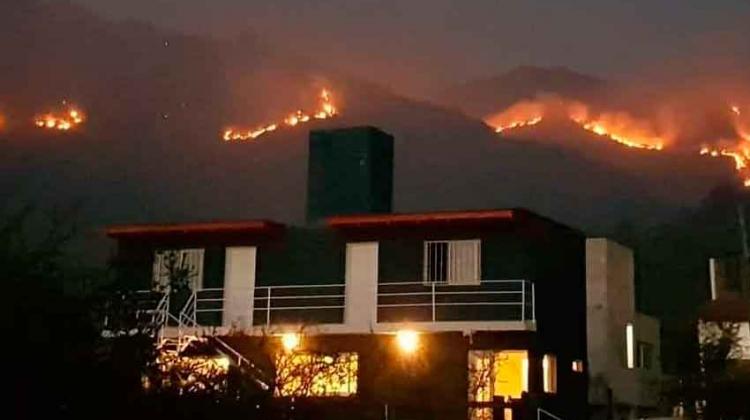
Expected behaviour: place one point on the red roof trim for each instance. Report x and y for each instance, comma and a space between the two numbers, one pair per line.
419, 218
251, 226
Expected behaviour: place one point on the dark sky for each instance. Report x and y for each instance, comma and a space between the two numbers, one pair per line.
418, 44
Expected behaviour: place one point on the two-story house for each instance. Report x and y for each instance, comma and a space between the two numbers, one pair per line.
479, 313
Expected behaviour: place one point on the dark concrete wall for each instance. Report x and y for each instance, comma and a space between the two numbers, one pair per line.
350, 171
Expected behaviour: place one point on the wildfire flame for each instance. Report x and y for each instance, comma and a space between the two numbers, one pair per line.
64, 121
326, 109
624, 129
620, 128
741, 126
518, 124
521, 114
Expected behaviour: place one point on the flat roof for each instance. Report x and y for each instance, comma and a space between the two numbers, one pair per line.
218, 227
428, 218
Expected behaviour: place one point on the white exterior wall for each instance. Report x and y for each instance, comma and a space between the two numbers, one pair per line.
361, 286
610, 306
239, 287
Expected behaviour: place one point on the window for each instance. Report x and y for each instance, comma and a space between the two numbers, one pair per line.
629, 346
497, 374
645, 355
183, 266
304, 374
452, 262
577, 366
549, 366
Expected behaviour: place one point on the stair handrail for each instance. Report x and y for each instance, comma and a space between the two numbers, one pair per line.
242, 359
187, 317
160, 316
186, 320
540, 411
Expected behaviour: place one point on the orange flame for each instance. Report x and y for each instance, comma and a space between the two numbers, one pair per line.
619, 127
741, 126
518, 124
65, 121
326, 109
602, 128
622, 128
741, 159
521, 114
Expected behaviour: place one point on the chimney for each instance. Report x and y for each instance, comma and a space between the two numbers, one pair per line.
349, 171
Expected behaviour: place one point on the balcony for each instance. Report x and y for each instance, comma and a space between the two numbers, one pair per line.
299, 304
491, 300
492, 304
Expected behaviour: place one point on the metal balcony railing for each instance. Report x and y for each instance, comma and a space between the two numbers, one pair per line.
311, 304
491, 300
204, 307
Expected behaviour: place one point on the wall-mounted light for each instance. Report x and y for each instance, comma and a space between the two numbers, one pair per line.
630, 345
290, 341
407, 341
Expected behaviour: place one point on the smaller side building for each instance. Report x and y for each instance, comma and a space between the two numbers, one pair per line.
623, 344
727, 314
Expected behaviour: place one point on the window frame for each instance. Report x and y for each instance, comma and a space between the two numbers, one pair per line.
644, 359
450, 262
160, 276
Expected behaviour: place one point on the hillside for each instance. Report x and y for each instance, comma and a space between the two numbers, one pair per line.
157, 103
482, 97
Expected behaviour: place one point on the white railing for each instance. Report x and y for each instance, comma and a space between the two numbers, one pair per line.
490, 300
151, 312
286, 301
201, 301
258, 375
161, 316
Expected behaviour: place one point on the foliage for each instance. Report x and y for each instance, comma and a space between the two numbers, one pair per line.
711, 383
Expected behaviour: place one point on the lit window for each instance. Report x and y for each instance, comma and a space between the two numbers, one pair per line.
480, 376
645, 355
497, 374
480, 413
452, 262
316, 375
630, 345
578, 366
549, 365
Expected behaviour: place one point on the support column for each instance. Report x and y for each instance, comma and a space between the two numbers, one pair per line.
360, 314
239, 286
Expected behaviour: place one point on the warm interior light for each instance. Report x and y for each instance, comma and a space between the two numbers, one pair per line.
549, 367
630, 343
290, 341
316, 375
222, 362
408, 341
